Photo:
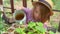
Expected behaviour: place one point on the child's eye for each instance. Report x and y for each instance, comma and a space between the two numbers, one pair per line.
36, 12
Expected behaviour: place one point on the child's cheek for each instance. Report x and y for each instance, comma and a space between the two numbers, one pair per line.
36, 15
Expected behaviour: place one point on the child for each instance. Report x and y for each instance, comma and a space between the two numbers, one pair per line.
40, 12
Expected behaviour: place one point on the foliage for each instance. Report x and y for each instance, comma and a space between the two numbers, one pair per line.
33, 28
50, 32
20, 30
54, 1
56, 4
0, 14
3, 26
37, 27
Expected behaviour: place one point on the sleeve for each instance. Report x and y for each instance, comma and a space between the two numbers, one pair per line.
26, 10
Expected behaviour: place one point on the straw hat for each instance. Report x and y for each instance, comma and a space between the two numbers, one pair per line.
44, 3
50, 2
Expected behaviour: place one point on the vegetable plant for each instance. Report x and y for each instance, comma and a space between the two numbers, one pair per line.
33, 28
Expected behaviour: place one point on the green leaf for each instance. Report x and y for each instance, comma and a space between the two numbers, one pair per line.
31, 24
0, 16
41, 29
30, 33
1, 26
54, 1
40, 24
19, 30
50, 32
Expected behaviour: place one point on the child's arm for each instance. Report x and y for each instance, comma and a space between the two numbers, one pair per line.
24, 8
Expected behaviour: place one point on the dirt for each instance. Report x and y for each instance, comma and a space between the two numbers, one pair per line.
5, 33
22, 26
10, 30
16, 32
16, 26
19, 17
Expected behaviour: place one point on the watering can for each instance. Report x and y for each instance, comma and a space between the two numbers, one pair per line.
19, 16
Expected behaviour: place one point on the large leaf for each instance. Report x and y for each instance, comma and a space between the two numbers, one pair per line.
30, 33
41, 29
50, 32
31, 24
0, 16
40, 24
19, 30
1, 26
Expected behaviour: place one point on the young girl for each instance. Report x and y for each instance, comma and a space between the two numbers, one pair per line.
40, 12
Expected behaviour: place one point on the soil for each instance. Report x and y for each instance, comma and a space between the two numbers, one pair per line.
16, 32
16, 26
5, 33
10, 30
22, 26
19, 17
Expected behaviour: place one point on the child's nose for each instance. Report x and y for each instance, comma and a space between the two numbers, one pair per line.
37, 16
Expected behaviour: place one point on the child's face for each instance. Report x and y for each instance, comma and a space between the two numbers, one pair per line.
37, 13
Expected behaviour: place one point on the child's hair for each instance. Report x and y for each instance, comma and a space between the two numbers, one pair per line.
45, 12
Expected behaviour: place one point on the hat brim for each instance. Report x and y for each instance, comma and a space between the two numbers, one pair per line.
34, 3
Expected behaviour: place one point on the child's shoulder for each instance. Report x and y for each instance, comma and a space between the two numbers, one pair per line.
27, 9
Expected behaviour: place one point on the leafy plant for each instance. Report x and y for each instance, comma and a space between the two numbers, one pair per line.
20, 30
0, 16
33, 28
50, 32
31, 24
37, 27
3, 26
